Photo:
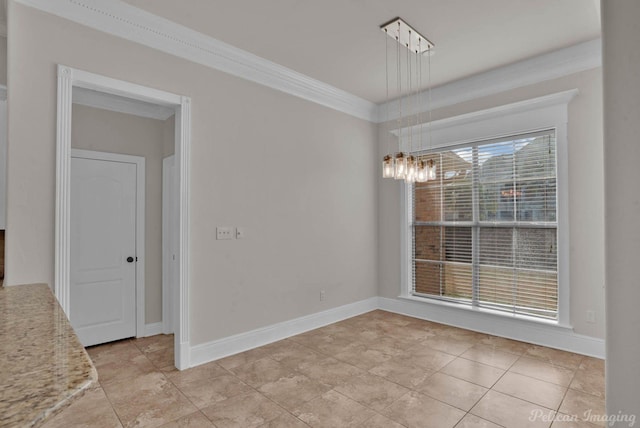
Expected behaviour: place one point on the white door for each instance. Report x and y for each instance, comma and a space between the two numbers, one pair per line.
103, 250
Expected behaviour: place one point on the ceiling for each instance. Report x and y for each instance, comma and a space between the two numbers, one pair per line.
339, 42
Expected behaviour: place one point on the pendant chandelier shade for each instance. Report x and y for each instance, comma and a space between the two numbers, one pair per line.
410, 46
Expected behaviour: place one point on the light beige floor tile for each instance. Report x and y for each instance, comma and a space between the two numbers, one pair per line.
512, 412
474, 372
589, 381
362, 335
427, 358
322, 340
333, 409
544, 371
402, 371
504, 344
194, 420
379, 421
296, 373
243, 411
448, 344
582, 405
462, 334
114, 370
332, 345
545, 394
372, 391
293, 391
415, 410
291, 354
472, 421
336, 328
207, 391
416, 334
554, 356
204, 371
147, 400
569, 421
91, 410
119, 351
242, 358
390, 345
592, 364
456, 392
286, 420
361, 356
261, 371
330, 371
154, 343
490, 356
162, 358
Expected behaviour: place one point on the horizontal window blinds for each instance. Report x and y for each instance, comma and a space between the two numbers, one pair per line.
484, 232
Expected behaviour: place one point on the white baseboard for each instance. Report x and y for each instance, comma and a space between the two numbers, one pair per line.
210, 351
526, 331
152, 329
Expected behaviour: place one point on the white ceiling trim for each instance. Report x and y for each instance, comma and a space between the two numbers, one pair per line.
101, 100
563, 62
123, 20
523, 116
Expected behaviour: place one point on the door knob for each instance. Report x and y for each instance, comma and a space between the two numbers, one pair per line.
130, 259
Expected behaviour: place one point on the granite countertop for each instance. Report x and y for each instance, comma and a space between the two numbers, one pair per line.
43, 366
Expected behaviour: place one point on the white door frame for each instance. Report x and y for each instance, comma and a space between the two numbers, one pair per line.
68, 78
139, 161
168, 243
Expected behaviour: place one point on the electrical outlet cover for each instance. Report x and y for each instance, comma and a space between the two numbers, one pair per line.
224, 233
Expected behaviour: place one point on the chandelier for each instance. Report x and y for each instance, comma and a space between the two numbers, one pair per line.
411, 46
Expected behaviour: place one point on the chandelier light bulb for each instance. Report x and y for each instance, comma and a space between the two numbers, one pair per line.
400, 166
410, 176
431, 166
388, 167
421, 174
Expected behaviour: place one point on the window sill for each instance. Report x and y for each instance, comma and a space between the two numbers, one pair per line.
488, 313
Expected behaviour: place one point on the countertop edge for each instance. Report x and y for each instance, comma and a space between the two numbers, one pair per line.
68, 400
45, 368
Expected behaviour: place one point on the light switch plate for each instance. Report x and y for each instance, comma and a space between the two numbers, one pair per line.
241, 233
224, 232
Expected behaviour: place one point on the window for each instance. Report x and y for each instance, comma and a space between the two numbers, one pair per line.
485, 232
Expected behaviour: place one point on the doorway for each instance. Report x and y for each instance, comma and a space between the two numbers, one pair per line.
68, 79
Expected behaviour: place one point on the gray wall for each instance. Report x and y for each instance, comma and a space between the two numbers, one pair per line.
300, 177
3, 60
107, 131
621, 55
586, 208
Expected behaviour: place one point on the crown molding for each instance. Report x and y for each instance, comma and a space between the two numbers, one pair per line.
125, 21
562, 62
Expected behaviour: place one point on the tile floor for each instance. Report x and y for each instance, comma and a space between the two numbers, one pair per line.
375, 370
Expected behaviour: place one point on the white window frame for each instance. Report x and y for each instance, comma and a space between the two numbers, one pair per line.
548, 112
